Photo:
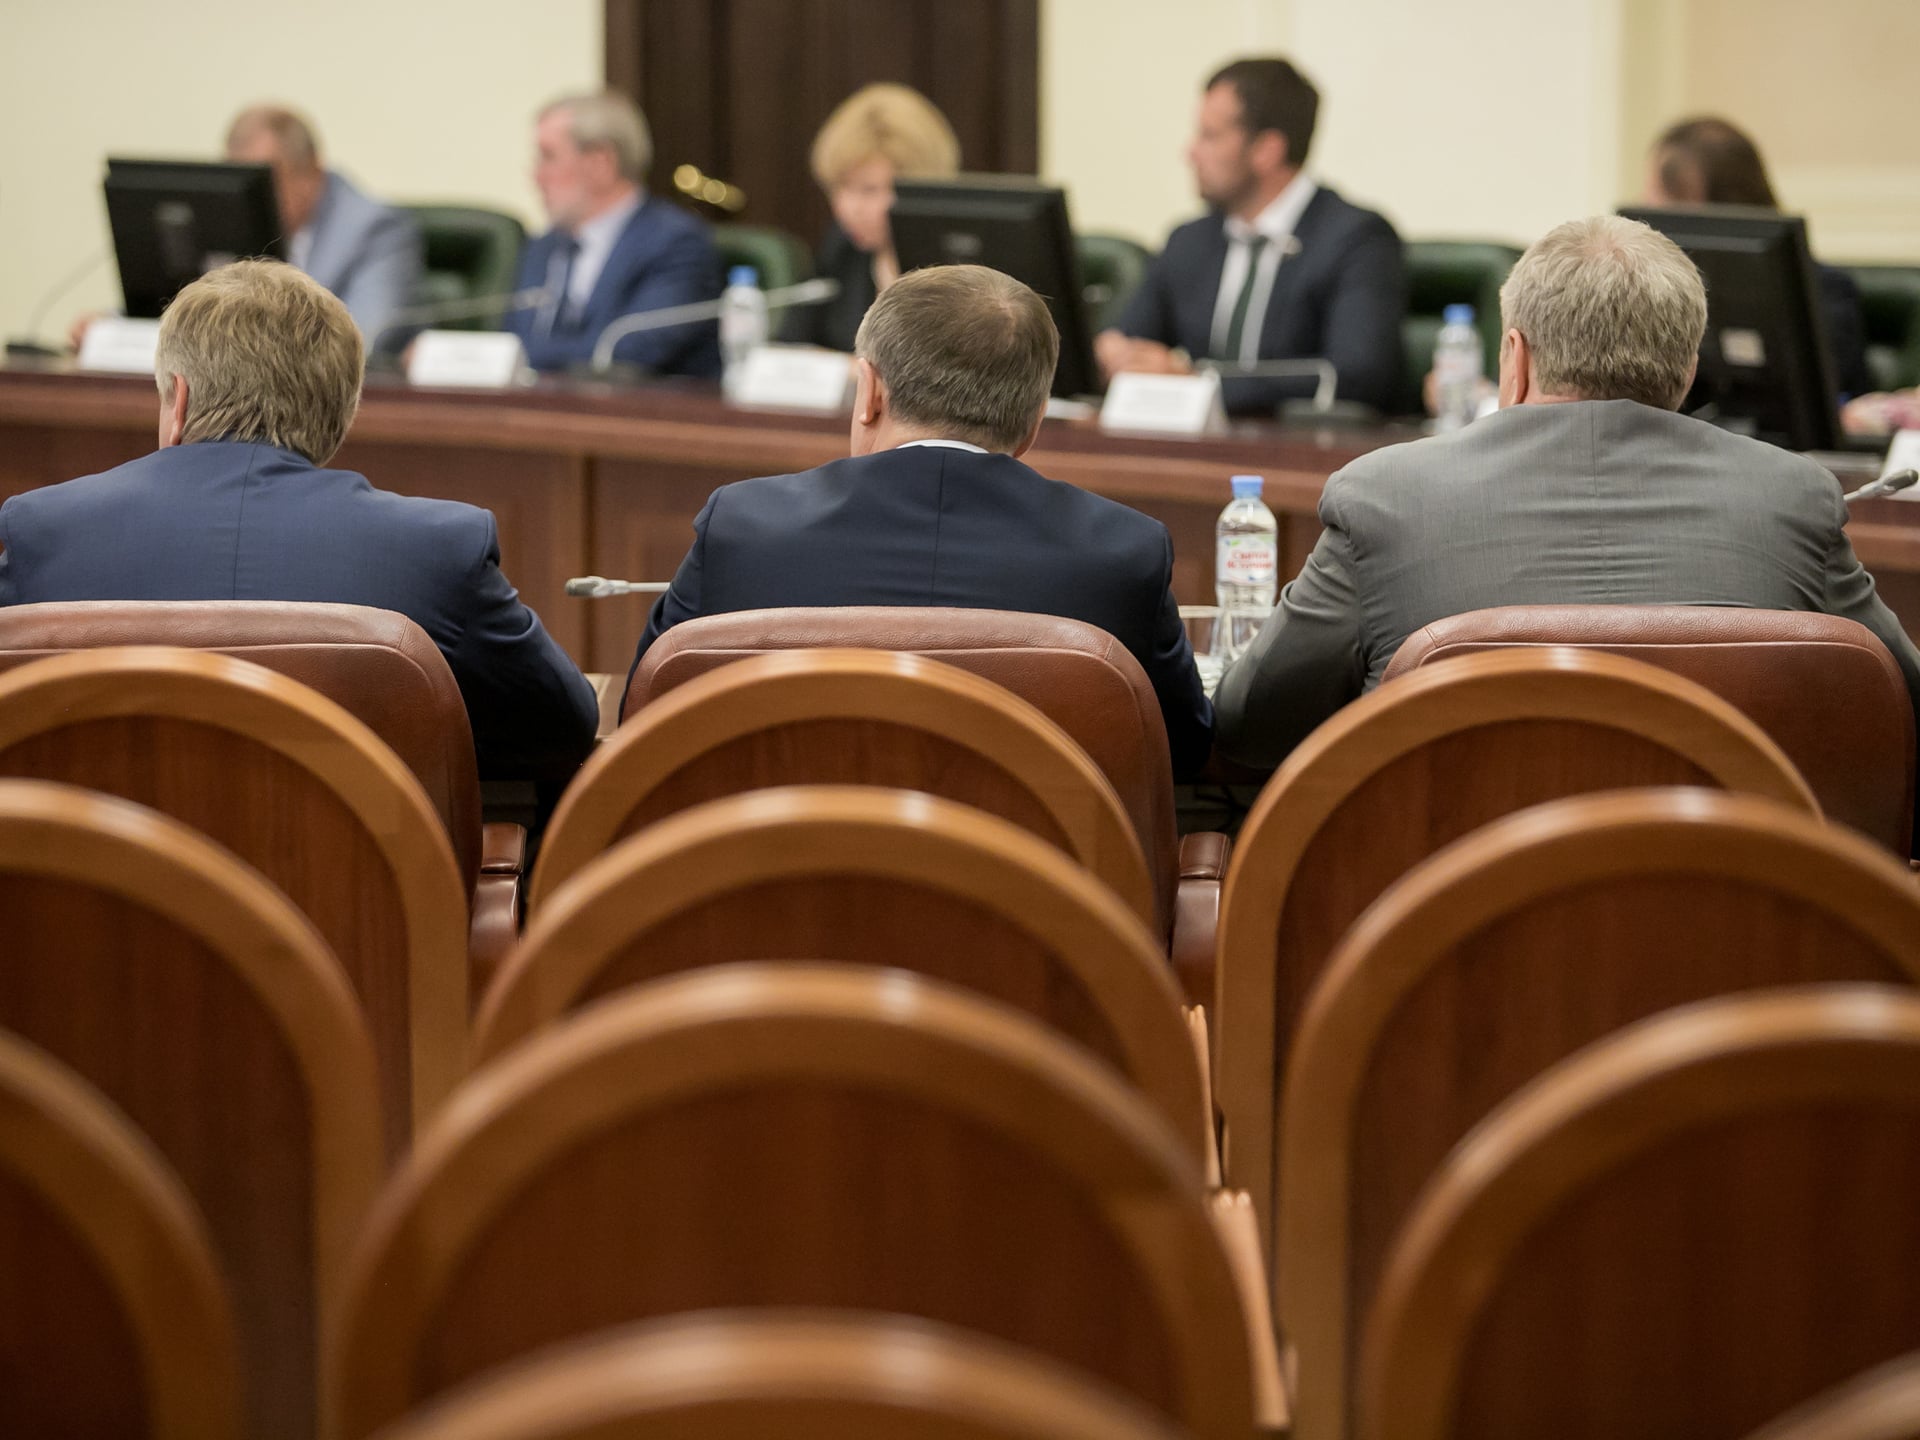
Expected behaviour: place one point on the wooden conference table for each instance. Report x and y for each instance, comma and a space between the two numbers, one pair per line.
595, 479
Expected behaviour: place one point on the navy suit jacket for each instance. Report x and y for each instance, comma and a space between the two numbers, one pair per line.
225, 520
932, 525
664, 257
1341, 297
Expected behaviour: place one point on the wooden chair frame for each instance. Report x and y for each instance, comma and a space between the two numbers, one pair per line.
126, 1208
719, 1027
267, 709
1639, 1088
1560, 846
767, 691
1882, 1404
139, 855
1394, 721
816, 831
862, 1377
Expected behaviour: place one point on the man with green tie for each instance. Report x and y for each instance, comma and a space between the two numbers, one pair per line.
1281, 269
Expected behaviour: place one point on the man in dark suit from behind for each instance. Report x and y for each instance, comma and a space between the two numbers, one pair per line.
1281, 269
933, 507
259, 369
614, 250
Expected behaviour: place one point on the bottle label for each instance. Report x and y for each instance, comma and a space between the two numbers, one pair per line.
1246, 560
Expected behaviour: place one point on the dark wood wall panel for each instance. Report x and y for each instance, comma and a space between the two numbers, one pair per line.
739, 87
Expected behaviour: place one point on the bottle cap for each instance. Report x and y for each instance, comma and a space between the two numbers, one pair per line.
744, 275
1456, 315
1247, 487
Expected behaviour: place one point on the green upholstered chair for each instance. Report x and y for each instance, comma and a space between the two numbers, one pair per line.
1111, 269
471, 252
778, 257
1890, 313
1450, 272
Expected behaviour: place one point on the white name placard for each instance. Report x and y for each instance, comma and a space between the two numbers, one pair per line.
1164, 404
470, 359
792, 377
1904, 454
121, 346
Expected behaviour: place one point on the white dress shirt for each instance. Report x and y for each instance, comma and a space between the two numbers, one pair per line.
946, 445
1275, 224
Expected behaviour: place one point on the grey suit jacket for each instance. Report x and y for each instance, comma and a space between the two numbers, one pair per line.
367, 253
1590, 503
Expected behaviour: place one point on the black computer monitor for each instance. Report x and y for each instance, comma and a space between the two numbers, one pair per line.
1765, 369
1014, 224
175, 220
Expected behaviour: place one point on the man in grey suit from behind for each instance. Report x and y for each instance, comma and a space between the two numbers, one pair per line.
1585, 488
366, 253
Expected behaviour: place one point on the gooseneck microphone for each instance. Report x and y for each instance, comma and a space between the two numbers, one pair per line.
473, 307
1886, 485
807, 292
598, 587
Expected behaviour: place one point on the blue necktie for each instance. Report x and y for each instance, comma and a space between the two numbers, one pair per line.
562, 314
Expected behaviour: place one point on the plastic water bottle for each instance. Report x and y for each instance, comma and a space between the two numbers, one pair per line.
1456, 367
743, 320
1246, 568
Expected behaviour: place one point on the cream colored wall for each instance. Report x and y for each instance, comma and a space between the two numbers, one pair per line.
415, 99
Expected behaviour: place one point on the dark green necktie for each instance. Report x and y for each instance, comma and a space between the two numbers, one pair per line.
1237, 323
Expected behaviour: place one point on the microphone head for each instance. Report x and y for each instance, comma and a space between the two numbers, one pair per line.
587, 585
1899, 480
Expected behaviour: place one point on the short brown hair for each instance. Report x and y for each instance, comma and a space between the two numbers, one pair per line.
1274, 95
896, 123
1709, 161
1611, 309
292, 133
269, 357
964, 350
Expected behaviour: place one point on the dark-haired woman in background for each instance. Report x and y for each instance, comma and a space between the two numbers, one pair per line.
1708, 161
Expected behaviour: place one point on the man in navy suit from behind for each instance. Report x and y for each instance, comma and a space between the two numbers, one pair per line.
1281, 269
933, 507
259, 370
614, 249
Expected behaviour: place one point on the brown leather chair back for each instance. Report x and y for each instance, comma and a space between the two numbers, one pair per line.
1676, 1234
752, 1375
834, 1138
378, 666
1488, 964
115, 1323
1077, 675
187, 991
1825, 689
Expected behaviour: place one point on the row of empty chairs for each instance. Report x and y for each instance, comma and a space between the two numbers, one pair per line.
585, 954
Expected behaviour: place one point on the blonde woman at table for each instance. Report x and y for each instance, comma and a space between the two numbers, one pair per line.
877, 135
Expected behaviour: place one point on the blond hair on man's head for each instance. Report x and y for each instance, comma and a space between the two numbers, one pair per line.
895, 123
1611, 310
292, 133
269, 356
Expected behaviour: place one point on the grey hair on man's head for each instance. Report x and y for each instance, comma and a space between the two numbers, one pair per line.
964, 351
608, 118
1611, 310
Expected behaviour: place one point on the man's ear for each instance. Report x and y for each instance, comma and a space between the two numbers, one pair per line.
1271, 150
173, 412
1033, 433
869, 393
1516, 365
